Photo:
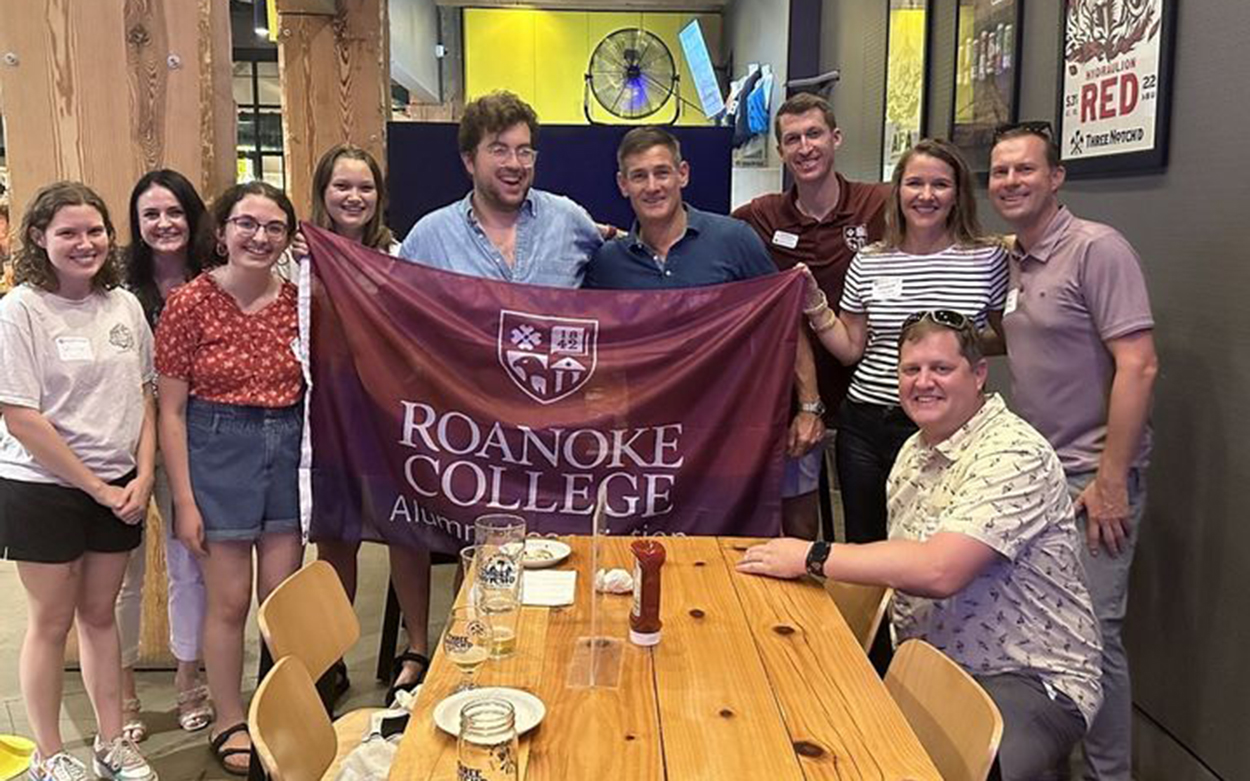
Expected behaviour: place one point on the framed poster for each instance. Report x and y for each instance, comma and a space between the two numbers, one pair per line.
1115, 85
987, 75
906, 75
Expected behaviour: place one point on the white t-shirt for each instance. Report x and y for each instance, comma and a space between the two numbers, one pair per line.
84, 365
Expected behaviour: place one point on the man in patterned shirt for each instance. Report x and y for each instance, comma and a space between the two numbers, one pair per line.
982, 550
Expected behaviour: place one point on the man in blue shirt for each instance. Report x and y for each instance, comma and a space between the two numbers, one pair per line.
672, 244
504, 229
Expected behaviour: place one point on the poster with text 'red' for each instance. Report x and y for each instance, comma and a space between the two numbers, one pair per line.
1111, 80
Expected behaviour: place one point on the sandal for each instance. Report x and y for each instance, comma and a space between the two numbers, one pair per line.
195, 712
398, 669
133, 728
218, 746
341, 682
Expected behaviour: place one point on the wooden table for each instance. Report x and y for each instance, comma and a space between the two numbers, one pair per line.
754, 678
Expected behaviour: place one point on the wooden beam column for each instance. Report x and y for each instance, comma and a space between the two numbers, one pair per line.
335, 71
104, 91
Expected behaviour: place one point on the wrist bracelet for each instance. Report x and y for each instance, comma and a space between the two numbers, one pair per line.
811, 311
830, 321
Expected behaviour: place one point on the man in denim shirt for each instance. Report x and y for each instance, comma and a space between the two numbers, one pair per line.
504, 229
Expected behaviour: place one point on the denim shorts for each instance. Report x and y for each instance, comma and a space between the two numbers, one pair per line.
244, 468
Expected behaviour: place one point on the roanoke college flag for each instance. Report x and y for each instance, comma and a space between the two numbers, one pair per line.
438, 397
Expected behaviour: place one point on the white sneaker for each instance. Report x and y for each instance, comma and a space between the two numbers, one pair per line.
58, 767
120, 760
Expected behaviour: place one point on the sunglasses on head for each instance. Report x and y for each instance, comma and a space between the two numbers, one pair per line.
1037, 127
946, 317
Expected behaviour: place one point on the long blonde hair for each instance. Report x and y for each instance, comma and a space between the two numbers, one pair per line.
962, 221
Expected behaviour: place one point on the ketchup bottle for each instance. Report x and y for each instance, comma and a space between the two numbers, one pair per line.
644, 619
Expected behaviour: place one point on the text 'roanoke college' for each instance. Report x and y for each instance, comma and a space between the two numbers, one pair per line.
547, 470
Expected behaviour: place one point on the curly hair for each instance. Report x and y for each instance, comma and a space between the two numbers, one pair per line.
31, 262
494, 113
376, 234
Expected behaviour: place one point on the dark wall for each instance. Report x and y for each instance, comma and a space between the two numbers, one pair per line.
1187, 627
425, 170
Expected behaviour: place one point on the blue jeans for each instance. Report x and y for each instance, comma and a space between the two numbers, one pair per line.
1108, 746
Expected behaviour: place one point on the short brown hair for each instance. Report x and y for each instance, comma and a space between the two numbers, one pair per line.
31, 262
1034, 128
494, 113
225, 203
801, 104
962, 220
917, 328
377, 235
640, 139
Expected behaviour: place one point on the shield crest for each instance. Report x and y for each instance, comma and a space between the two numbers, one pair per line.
547, 357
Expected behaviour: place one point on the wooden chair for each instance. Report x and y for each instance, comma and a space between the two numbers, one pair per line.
291, 733
956, 721
863, 607
308, 616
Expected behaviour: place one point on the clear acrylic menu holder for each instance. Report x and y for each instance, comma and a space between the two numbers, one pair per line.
596, 661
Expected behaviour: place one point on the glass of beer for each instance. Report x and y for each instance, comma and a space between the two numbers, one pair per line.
467, 642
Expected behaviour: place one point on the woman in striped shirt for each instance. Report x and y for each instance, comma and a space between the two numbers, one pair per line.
933, 256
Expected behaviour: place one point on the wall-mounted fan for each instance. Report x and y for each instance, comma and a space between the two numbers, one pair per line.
632, 75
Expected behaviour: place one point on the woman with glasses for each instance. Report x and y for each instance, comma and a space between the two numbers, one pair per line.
171, 242
933, 257
231, 393
349, 198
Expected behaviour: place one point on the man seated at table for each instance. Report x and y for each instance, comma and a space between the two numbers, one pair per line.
674, 245
982, 549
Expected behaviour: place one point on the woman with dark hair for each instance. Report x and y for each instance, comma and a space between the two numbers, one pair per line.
934, 256
349, 198
231, 393
77, 452
170, 243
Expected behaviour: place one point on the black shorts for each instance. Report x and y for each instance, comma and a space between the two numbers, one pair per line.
52, 524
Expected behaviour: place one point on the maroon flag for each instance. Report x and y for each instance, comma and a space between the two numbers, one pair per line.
438, 397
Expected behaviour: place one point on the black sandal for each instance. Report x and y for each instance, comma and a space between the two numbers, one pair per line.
398, 668
341, 682
218, 746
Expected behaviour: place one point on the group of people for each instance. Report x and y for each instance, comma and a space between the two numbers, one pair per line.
957, 502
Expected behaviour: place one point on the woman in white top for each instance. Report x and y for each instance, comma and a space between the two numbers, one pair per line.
349, 198
77, 453
933, 256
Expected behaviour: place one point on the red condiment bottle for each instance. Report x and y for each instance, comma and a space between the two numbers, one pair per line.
644, 619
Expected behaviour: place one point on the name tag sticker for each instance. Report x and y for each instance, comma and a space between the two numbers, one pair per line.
1013, 299
785, 239
74, 348
887, 288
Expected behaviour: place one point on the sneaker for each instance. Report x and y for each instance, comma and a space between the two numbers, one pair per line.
120, 760
58, 767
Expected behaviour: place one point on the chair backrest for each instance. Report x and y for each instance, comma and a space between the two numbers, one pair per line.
863, 607
309, 616
290, 730
957, 722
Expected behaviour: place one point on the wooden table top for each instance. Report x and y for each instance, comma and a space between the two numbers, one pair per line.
754, 678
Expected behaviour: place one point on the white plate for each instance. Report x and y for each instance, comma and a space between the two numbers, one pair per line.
529, 709
540, 553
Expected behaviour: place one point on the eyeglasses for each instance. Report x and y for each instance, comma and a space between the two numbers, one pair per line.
248, 226
1036, 127
947, 317
526, 156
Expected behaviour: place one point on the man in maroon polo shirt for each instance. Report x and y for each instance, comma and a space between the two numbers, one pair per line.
823, 220
1080, 347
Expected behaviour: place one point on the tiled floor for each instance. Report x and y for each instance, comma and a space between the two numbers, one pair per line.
179, 755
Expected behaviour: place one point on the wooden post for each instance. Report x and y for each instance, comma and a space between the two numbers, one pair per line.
335, 72
107, 90
102, 92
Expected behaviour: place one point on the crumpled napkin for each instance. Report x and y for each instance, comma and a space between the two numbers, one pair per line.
615, 581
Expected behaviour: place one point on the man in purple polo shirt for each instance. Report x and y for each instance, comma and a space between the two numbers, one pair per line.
1081, 351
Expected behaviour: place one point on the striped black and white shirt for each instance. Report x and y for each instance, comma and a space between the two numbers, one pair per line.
888, 285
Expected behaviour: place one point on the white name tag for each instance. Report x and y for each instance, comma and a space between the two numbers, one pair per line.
785, 239
1013, 299
887, 288
74, 348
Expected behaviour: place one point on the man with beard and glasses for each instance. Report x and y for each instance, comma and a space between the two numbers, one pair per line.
504, 228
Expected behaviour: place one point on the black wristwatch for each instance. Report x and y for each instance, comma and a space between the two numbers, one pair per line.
816, 557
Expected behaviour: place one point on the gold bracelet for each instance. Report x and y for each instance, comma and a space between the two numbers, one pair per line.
830, 321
